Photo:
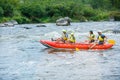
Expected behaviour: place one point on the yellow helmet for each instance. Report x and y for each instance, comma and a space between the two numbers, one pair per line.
64, 31
72, 33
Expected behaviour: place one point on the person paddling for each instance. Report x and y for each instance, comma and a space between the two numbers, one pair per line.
101, 38
64, 37
71, 38
91, 37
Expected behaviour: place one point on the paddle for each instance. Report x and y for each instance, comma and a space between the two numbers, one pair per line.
110, 41
77, 49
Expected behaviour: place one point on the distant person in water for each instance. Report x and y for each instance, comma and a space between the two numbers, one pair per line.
91, 37
101, 38
71, 38
64, 37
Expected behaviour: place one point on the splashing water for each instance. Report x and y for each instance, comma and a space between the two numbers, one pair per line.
22, 57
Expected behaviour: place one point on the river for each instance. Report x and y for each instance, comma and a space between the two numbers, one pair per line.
22, 57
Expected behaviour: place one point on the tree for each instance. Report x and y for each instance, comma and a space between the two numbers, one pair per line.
104, 4
8, 7
32, 11
115, 3
1, 12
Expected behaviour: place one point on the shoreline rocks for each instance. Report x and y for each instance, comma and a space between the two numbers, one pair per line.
9, 23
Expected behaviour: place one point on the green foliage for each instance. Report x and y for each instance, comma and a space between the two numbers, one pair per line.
116, 15
56, 10
1, 12
8, 7
35, 11
8, 10
115, 3
32, 11
89, 12
5, 19
21, 19
104, 4
101, 16
76, 10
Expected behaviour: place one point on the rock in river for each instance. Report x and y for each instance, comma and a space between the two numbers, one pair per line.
9, 23
41, 25
63, 21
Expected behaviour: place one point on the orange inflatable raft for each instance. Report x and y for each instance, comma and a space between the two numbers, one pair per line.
56, 45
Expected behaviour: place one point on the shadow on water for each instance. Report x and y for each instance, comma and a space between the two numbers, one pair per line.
55, 51
72, 51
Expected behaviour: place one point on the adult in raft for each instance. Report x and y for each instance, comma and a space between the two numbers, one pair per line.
91, 37
71, 38
64, 37
101, 38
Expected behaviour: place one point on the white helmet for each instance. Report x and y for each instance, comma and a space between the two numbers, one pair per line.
100, 31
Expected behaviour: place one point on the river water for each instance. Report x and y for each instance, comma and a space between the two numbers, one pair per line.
22, 57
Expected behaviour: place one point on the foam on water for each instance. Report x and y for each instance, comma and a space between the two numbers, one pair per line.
22, 57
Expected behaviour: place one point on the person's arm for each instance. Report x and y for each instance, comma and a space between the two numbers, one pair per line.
89, 37
96, 39
105, 38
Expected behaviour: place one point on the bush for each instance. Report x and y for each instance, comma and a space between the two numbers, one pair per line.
32, 11
8, 10
8, 7
1, 12
46, 19
55, 10
4, 19
36, 20
25, 11
100, 16
89, 11
76, 10
116, 15
21, 20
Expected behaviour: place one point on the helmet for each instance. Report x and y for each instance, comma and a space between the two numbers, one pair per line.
91, 31
100, 31
72, 33
64, 31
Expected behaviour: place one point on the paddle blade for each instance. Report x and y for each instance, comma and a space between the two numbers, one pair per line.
111, 41
77, 49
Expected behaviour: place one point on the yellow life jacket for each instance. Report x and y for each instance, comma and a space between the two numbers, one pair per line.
100, 38
65, 36
92, 37
72, 38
